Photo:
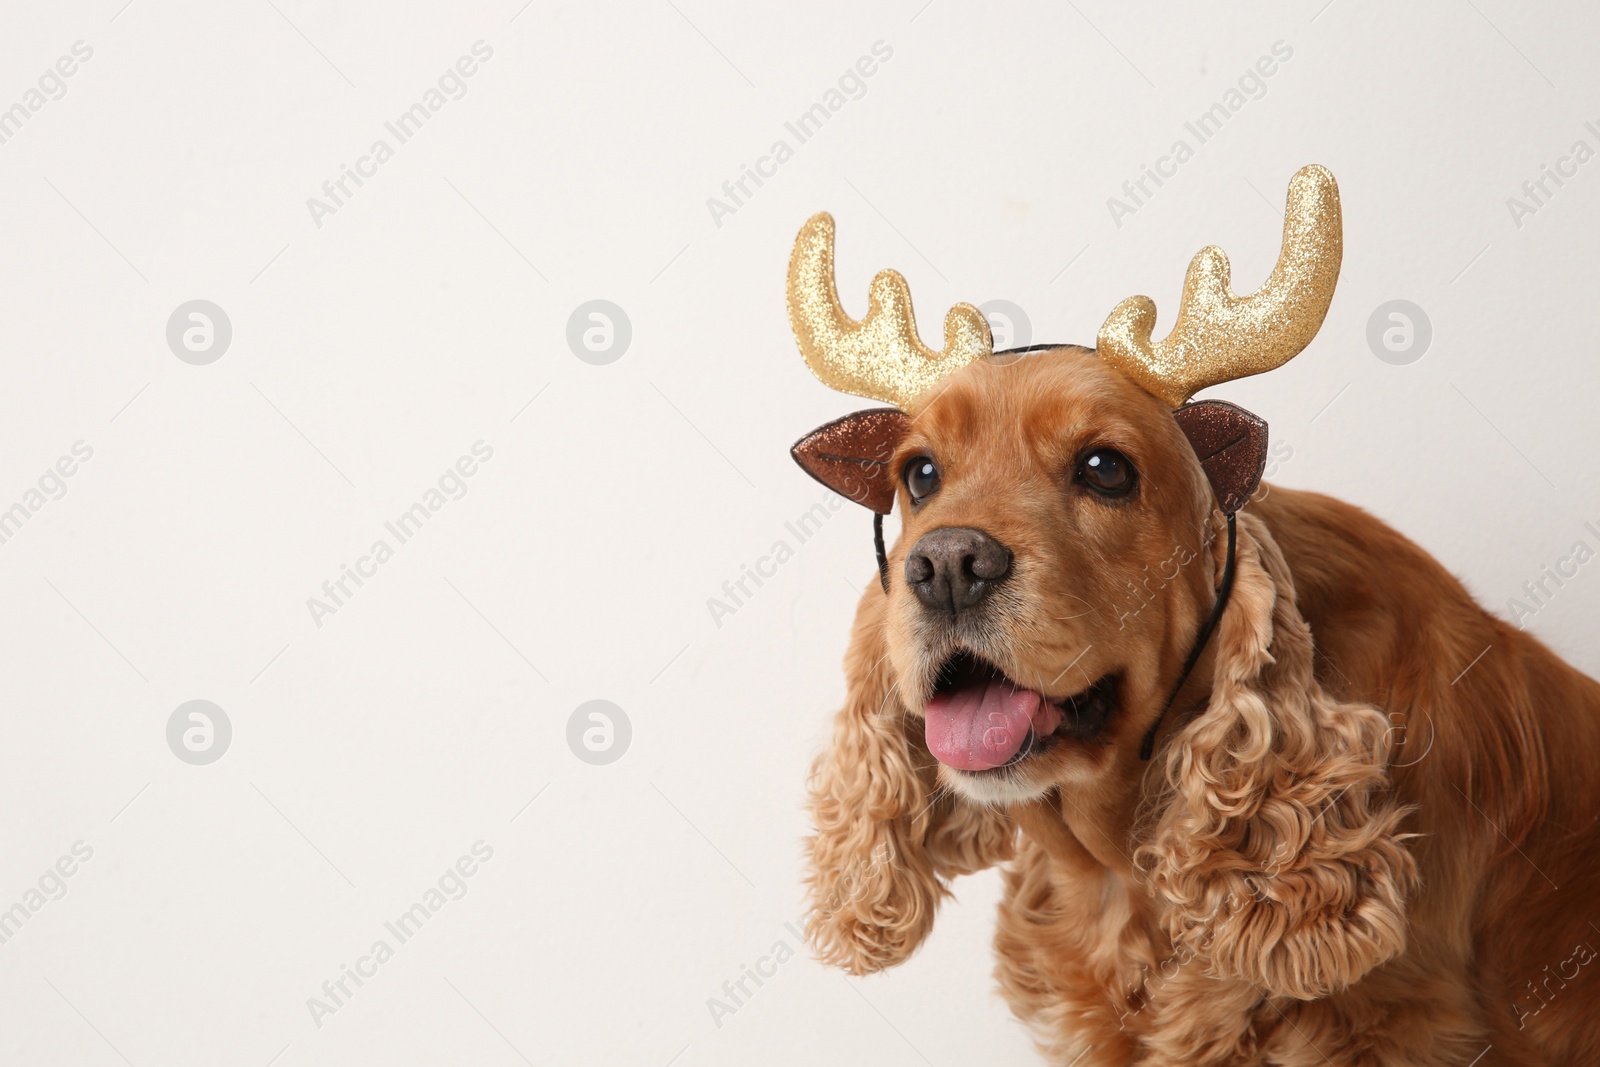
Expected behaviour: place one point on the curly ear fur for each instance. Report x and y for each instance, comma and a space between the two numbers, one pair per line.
883, 843
1278, 850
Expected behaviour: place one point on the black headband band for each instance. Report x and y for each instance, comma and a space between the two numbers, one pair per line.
1149, 744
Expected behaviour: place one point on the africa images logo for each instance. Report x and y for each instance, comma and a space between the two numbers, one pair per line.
451, 85
851, 85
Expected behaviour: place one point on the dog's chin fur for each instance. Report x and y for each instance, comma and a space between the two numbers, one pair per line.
1246, 897
1002, 787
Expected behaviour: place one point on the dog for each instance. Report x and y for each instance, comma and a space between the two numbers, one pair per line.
1368, 835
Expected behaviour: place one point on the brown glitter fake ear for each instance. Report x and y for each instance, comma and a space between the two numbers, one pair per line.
852, 456
1232, 446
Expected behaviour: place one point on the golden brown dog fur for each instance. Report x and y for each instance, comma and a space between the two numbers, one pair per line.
1368, 832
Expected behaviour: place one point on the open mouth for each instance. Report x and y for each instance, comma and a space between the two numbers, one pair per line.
980, 720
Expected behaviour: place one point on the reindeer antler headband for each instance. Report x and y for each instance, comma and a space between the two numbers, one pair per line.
1217, 337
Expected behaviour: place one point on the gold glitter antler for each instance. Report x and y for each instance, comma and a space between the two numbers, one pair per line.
881, 356
1218, 336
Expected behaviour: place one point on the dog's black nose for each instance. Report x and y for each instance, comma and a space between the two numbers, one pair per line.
955, 567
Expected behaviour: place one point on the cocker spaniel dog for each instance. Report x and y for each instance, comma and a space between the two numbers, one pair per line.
1367, 832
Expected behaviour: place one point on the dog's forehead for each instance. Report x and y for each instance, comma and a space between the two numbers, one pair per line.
1032, 396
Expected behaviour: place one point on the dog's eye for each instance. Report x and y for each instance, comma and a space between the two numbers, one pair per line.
1107, 471
922, 478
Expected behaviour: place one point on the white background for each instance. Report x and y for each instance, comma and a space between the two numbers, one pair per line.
372, 351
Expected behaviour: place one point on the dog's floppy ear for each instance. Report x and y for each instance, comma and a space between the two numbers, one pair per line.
1278, 850
883, 846
1232, 446
851, 455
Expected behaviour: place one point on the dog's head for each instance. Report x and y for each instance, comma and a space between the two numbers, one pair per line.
1054, 562
1058, 561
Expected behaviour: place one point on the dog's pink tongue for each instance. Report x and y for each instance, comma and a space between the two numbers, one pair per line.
982, 725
